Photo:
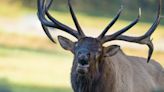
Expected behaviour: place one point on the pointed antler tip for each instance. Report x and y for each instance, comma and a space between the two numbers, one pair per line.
140, 13
122, 6
120, 10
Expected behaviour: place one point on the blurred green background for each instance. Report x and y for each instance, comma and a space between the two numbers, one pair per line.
29, 62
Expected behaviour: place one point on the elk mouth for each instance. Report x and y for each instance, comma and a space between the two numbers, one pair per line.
82, 69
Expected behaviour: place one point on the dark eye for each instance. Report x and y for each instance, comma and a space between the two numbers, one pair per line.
79, 53
76, 44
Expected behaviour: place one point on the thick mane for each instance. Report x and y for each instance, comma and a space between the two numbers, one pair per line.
85, 83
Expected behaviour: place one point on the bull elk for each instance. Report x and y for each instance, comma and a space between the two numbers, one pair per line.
97, 68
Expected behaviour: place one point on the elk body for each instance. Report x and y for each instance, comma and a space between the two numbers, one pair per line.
106, 69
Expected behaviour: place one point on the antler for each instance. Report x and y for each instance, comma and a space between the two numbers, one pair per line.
144, 39
101, 37
75, 19
111, 24
43, 14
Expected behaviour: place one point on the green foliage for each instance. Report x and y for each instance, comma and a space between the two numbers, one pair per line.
104, 8
19, 88
103, 5
159, 91
100, 8
6, 86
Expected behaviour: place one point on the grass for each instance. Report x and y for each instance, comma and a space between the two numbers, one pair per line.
40, 66
26, 70
96, 23
37, 71
35, 67
12, 10
6, 86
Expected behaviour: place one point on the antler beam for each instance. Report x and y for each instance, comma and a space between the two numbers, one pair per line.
144, 39
43, 14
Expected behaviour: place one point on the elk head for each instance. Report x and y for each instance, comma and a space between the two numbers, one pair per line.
88, 50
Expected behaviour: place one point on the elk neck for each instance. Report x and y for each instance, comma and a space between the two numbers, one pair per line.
96, 79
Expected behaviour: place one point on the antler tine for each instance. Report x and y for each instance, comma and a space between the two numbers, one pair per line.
41, 14
111, 23
155, 24
43, 8
49, 4
61, 26
144, 39
44, 22
44, 27
48, 33
75, 19
113, 36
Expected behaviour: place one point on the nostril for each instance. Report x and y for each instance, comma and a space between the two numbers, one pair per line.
88, 54
83, 60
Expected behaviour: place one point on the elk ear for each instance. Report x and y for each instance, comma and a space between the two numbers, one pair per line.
66, 43
111, 50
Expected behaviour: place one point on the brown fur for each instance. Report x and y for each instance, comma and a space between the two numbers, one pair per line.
110, 70
120, 73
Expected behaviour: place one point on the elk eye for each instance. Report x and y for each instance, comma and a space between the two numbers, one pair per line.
79, 53
76, 44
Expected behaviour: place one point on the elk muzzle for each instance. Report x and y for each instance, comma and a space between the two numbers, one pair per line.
83, 62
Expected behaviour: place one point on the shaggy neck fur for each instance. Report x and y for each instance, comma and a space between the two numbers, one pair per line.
86, 83
95, 81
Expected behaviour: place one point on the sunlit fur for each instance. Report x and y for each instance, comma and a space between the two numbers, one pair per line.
119, 73
114, 71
